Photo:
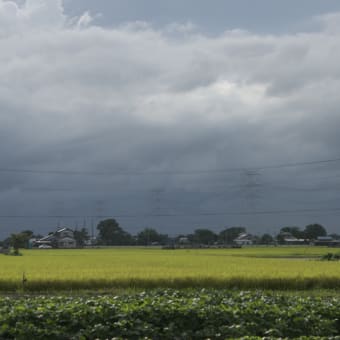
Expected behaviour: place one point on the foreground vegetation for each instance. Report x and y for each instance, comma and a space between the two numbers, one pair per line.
162, 311
171, 314
261, 268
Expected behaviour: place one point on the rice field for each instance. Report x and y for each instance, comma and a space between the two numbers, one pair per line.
93, 269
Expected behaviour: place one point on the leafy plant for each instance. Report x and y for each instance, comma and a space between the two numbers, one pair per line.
330, 257
171, 314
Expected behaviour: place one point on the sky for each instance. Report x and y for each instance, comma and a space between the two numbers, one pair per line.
172, 115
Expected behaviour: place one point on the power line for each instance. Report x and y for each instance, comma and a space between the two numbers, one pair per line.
172, 172
289, 165
141, 215
233, 187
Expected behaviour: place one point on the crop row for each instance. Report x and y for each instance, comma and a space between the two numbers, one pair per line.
279, 283
171, 314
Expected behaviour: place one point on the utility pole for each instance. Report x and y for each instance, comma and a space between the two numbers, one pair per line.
92, 229
251, 185
156, 195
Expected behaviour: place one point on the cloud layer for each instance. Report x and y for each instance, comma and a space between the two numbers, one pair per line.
79, 97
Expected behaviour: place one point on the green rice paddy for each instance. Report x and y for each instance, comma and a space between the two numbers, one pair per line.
281, 268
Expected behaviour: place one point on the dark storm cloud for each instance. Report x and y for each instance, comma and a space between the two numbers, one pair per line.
154, 106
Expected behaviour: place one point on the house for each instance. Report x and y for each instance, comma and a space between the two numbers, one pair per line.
326, 241
244, 239
183, 240
62, 238
293, 241
4, 250
290, 240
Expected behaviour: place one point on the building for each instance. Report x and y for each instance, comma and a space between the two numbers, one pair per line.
327, 241
244, 239
290, 240
62, 238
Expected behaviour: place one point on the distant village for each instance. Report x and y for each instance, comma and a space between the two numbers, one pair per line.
110, 233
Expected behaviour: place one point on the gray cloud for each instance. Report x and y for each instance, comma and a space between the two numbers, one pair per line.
262, 16
75, 96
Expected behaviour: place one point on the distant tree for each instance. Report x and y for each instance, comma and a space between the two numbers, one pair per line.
204, 236
29, 233
191, 238
294, 231
335, 236
266, 239
18, 241
312, 231
81, 236
6, 243
111, 234
279, 238
227, 236
256, 239
149, 235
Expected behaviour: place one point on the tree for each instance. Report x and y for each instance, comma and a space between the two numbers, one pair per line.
18, 241
227, 236
294, 231
335, 236
204, 236
29, 234
266, 239
149, 235
111, 234
312, 231
81, 236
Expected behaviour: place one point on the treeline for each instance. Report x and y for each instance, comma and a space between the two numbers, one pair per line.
310, 232
110, 233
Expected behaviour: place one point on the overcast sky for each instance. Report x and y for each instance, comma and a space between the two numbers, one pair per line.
169, 114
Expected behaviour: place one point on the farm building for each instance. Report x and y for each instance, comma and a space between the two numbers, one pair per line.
293, 241
62, 238
288, 239
326, 241
244, 239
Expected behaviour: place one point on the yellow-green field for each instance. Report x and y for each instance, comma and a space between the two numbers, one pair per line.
271, 267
